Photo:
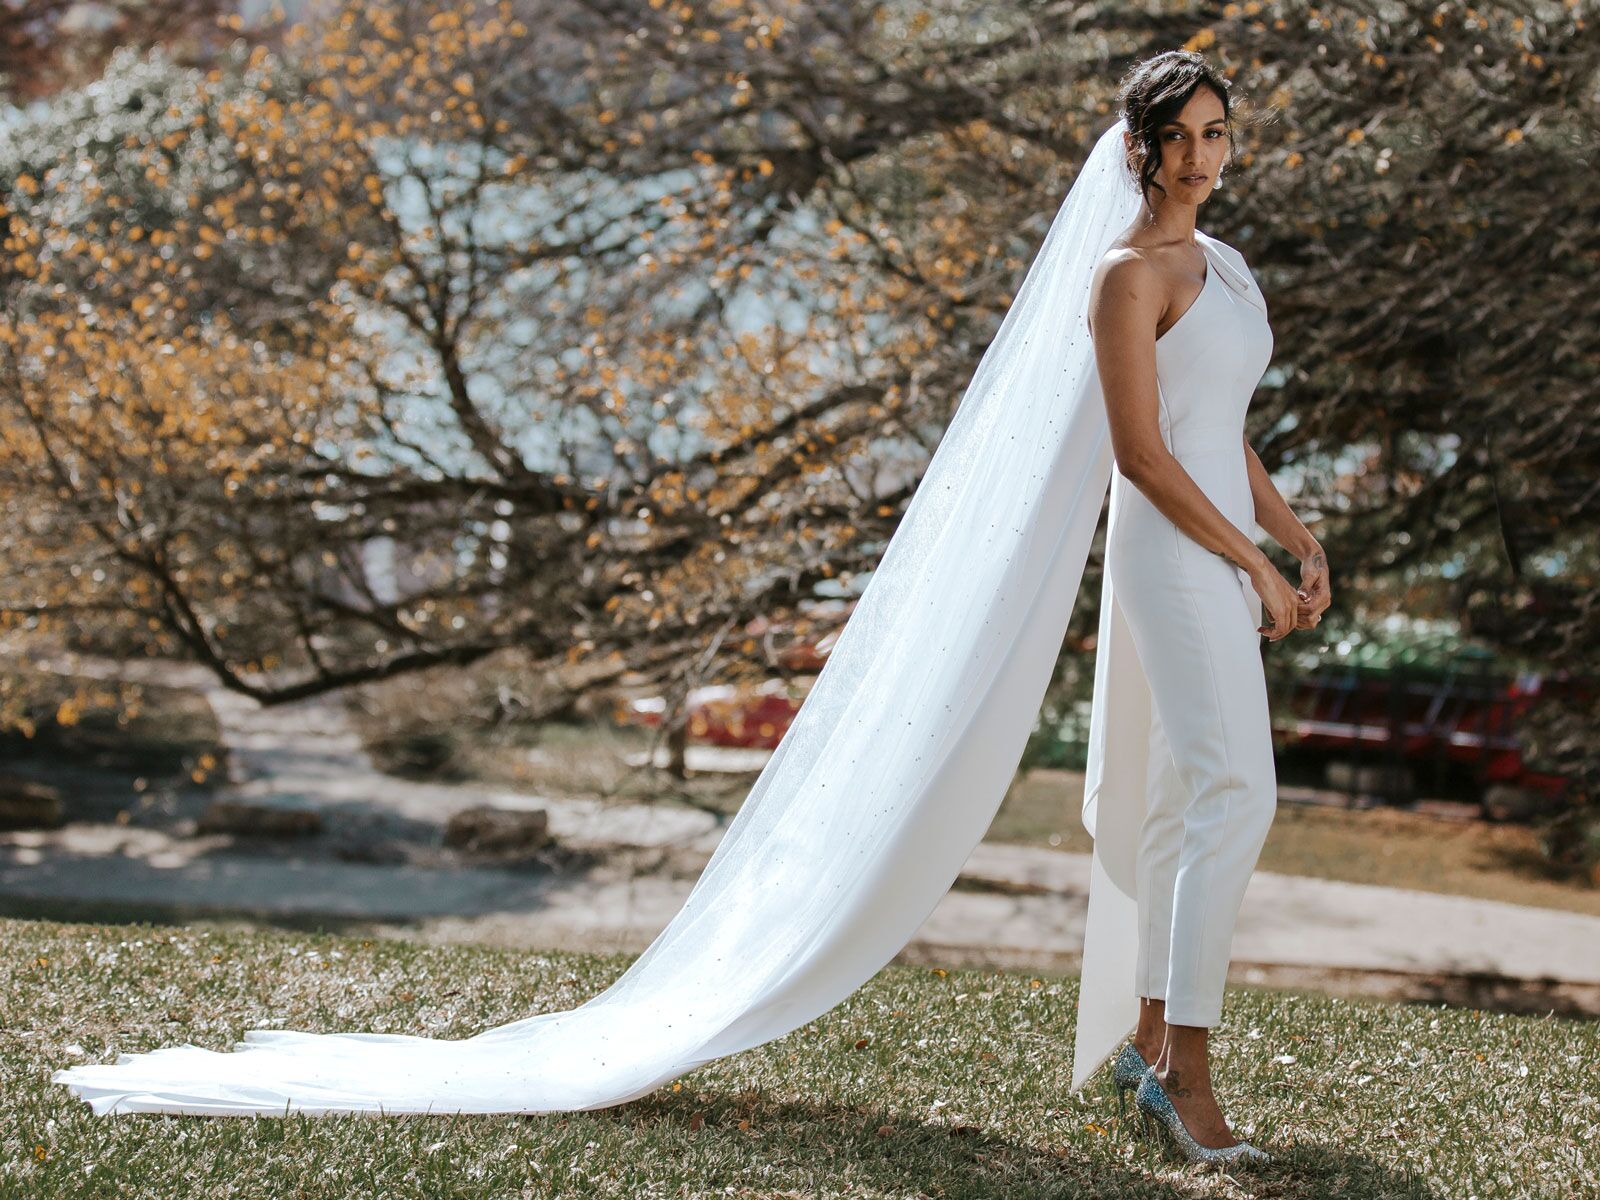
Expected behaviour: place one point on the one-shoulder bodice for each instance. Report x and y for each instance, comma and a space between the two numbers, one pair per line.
1211, 359
1208, 364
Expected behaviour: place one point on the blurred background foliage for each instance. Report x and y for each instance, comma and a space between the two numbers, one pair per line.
343, 341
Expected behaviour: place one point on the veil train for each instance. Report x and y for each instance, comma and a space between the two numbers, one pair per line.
884, 783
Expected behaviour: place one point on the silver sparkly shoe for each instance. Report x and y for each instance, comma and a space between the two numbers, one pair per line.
1127, 1069
1155, 1106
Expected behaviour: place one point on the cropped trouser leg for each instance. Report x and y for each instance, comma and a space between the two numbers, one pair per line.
1209, 811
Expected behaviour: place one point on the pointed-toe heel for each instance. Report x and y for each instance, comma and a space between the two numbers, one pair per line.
1155, 1106
1126, 1070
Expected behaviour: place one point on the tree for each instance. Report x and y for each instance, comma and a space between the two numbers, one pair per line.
48, 45
625, 324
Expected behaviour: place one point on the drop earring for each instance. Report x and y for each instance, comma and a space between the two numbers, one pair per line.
1217, 182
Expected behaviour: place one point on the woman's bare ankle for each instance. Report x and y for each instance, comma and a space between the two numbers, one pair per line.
1185, 1054
1179, 1080
1150, 1036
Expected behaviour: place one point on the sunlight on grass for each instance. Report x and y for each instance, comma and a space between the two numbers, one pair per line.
925, 1082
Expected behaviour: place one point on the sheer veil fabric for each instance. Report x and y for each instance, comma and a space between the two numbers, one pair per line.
864, 815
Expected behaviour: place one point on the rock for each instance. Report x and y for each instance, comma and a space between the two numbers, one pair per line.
386, 853
25, 804
1507, 802
1392, 781
500, 831
258, 820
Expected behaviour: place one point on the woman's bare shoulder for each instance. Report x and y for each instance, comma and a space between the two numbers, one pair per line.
1125, 260
1126, 282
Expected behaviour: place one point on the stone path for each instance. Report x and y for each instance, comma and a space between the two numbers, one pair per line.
631, 866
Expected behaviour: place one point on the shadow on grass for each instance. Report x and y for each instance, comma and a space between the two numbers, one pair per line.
796, 1144
94, 912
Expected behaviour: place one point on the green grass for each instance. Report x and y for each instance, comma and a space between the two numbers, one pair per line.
922, 1083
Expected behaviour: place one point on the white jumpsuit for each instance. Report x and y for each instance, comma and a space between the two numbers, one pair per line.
1181, 785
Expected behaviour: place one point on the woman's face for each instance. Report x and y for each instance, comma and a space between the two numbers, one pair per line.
1194, 146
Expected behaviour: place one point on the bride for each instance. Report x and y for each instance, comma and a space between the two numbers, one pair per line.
1125, 364
1181, 339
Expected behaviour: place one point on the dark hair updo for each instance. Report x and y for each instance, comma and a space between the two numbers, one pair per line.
1154, 92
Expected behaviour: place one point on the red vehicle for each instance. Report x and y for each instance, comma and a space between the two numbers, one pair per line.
753, 716
1459, 719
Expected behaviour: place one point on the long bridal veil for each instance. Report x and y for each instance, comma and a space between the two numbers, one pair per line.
887, 778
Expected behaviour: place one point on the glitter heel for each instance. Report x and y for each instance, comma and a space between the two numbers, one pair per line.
1126, 1070
1155, 1106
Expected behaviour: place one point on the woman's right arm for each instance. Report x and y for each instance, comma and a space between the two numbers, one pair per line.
1125, 305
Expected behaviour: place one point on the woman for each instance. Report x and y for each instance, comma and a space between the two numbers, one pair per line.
886, 779
1181, 339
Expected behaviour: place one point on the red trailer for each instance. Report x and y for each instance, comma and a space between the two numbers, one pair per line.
1456, 719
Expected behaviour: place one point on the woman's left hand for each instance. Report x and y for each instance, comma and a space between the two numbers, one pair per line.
1315, 592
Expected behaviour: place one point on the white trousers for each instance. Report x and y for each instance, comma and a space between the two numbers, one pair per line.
1211, 781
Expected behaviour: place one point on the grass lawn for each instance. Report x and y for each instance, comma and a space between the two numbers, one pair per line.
922, 1083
